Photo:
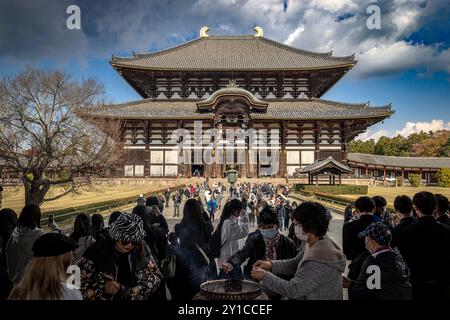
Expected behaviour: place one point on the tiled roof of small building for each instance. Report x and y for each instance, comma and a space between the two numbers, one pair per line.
400, 162
233, 53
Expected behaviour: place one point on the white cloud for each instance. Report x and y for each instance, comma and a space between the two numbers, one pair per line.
415, 127
371, 134
295, 34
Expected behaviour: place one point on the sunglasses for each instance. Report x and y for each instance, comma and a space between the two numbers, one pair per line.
126, 243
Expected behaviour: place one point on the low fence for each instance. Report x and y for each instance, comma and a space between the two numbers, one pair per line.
64, 219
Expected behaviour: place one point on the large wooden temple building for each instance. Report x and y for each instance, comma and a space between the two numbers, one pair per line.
233, 82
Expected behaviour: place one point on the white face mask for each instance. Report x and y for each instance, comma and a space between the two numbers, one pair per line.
299, 233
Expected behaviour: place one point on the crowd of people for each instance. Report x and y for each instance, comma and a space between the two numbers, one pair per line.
136, 256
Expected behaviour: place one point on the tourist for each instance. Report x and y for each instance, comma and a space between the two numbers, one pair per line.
212, 207
403, 209
251, 213
167, 196
233, 226
193, 261
122, 266
141, 200
8, 221
219, 197
98, 223
155, 214
19, 248
46, 277
280, 213
348, 212
113, 217
266, 243
394, 273
287, 214
425, 246
176, 204
442, 209
82, 234
155, 237
352, 244
380, 213
317, 270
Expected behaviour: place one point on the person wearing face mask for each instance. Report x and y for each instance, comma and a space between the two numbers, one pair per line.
394, 274
317, 270
266, 243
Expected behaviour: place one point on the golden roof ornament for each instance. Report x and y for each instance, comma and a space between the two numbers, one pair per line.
203, 32
259, 31
232, 84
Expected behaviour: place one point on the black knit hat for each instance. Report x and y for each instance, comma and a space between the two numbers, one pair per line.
268, 215
53, 244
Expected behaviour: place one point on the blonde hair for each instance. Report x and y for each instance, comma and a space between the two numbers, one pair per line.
43, 278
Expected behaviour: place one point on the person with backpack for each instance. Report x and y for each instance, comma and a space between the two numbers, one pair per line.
233, 225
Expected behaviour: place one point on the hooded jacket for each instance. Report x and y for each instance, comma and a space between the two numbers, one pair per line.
19, 251
317, 273
394, 278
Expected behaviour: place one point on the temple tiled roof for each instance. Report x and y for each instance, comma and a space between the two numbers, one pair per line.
400, 162
233, 53
324, 164
305, 109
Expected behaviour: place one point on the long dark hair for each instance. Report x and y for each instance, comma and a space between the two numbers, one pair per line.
30, 217
81, 227
195, 222
142, 212
98, 222
8, 221
230, 208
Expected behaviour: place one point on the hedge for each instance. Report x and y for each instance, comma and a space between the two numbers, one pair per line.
332, 189
443, 176
343, 199
92, 206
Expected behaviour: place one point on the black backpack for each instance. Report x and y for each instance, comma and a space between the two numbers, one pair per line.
215, 242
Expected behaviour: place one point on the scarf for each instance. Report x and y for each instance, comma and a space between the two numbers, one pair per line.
271, 247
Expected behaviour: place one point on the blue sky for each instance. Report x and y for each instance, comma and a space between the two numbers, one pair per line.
406, 62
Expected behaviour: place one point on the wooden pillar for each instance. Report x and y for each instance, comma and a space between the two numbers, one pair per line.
367, 170
384, 173
340, 179
317, 141
317, 179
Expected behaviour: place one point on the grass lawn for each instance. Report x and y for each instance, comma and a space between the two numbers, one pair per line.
391, 192
15, 199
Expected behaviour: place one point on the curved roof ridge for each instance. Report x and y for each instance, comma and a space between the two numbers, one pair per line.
349, 104
328, 54
137, 56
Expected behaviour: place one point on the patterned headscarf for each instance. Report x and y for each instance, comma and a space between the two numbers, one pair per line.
128, 228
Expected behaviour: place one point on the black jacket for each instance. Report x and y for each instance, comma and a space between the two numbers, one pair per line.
425, 247
398, 229
394, 278
255, 249
193, 266
444, 219
352, 244
101, 259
